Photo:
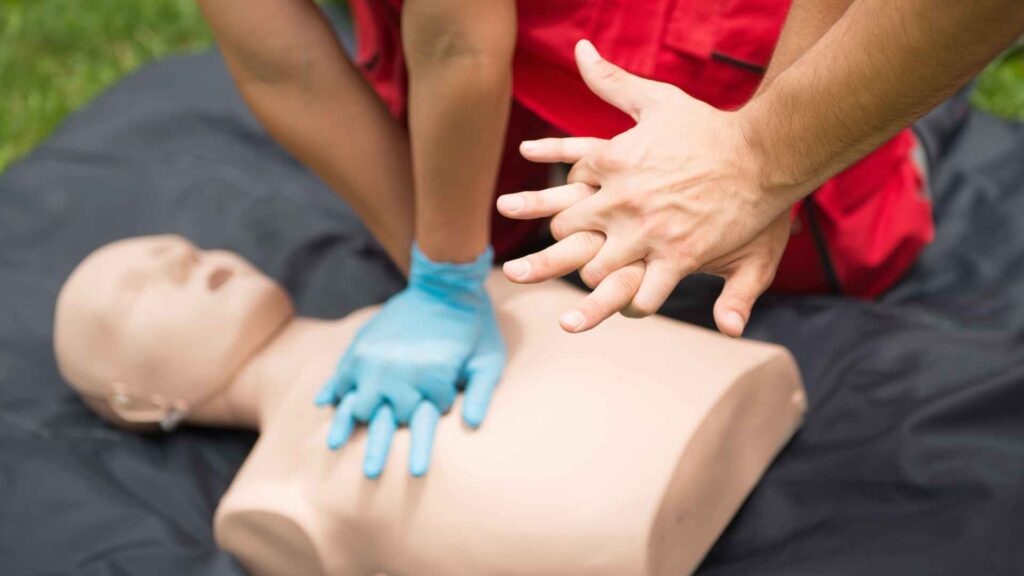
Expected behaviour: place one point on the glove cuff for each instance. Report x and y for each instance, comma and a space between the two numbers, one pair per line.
449, 276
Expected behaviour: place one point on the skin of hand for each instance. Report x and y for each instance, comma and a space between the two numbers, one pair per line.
647, 208
856, 73
807, 22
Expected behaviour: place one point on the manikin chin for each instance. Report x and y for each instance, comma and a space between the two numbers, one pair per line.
622, 451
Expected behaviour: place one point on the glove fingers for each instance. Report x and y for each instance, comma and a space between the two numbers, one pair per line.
482, 382
369, 391
326, 395
340, 382
382, 429
367, 401
402, 395
422, 427
341, 426
438, 386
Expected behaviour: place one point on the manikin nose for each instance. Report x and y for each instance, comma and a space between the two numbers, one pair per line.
178, 260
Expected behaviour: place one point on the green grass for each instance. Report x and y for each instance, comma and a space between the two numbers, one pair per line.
56, 55
1000, 88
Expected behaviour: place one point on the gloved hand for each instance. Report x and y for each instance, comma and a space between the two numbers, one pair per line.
404, 364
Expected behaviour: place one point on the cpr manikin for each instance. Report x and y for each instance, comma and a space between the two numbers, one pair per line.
621, 451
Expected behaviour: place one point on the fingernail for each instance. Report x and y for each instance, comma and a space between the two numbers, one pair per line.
528, 146
517, 268
510, 203
572, 320
585, 51
734, 322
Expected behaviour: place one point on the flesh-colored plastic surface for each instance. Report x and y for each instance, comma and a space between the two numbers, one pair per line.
622, 451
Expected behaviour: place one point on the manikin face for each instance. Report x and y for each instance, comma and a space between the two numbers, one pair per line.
154, 321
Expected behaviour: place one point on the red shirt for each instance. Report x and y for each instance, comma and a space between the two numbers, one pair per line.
859, 232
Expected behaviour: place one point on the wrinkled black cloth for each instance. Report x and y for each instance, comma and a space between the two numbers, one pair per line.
911, 460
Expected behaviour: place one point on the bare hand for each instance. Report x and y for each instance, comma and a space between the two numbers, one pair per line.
679, 193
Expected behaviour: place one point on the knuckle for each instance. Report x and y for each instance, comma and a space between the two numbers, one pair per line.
580, 190
684, 259
625, 282
642, 307
633, 204
591, 309
740, 299
573, 176
580, 173
591, 275
591, 241
558, 228
610, 73
677, 228
540, 261
533, 201
595, 271
662, 92
613, 159
653, 223
765, 274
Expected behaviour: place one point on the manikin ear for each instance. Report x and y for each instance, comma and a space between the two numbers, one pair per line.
139, 410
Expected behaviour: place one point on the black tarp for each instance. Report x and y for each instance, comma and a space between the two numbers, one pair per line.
911, 460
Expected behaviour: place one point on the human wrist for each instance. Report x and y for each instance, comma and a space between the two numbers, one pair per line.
779, 167
449, 277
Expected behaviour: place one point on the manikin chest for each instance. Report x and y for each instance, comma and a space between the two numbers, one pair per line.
587, 464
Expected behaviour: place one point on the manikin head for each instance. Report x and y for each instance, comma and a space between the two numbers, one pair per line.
146, 329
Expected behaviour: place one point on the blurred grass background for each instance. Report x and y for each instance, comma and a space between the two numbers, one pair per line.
1000, 88
56, 55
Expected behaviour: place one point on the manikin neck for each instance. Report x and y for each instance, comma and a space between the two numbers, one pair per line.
266, 376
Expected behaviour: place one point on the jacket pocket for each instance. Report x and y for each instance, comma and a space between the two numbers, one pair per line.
738, 33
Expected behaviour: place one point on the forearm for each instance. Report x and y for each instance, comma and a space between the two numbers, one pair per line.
806, 23
459, 57
881, 66
300, 84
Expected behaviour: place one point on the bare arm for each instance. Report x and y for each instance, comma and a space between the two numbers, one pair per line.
459, 56
879, 68
806, 23
297, 79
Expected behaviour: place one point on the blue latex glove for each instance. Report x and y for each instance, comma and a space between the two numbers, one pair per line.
404, 364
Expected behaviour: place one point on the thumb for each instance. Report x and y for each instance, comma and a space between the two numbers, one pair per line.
742, 288
612, 84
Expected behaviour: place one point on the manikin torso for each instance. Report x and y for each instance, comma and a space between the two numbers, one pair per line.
617, 452
621, 451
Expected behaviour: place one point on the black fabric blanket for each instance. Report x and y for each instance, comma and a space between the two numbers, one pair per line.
911, 460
